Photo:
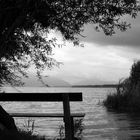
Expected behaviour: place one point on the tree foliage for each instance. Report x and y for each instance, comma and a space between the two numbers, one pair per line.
25, 24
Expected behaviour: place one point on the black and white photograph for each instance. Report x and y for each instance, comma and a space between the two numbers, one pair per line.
69, 70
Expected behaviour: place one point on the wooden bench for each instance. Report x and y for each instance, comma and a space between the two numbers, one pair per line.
49, 97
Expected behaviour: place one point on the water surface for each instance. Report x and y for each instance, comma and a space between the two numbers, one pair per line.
100, 124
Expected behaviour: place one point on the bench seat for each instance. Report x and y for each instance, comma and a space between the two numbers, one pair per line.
54, 115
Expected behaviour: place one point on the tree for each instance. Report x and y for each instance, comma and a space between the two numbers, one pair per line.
25, 24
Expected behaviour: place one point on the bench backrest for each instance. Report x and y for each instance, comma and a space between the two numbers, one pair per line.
42, 97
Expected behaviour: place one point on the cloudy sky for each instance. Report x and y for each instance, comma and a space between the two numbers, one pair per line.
103, 59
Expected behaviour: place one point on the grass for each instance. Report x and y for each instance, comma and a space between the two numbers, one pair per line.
78, 130
126, 98
127, 95
27, 133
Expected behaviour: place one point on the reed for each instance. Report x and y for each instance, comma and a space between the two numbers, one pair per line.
126, 98
27, 132
78, 130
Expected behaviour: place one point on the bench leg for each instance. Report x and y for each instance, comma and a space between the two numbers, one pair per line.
72, 127
67, 118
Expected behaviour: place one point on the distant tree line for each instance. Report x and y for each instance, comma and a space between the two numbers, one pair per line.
98, 86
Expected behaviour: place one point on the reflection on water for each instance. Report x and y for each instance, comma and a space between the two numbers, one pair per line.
100, 124
128, 125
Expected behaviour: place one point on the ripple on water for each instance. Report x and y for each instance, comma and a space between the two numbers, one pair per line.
99, 123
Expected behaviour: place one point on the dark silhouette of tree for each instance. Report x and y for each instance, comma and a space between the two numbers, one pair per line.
135, 73
24, 25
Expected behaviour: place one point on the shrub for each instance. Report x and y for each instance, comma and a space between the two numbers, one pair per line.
127, 95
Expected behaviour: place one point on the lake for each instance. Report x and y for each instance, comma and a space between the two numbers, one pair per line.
99, 124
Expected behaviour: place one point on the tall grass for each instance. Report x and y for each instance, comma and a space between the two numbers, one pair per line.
78, 130
27, 133
22, 134
127, 94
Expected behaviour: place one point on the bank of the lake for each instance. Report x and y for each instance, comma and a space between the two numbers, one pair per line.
126, 98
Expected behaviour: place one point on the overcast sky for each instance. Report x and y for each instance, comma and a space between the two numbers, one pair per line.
103, 58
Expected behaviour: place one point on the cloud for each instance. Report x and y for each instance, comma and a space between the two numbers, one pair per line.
104, 58
108, 63
127, 38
